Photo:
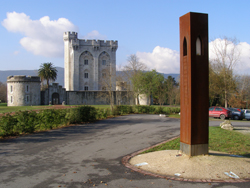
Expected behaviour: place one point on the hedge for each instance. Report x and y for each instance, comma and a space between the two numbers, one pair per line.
24, 122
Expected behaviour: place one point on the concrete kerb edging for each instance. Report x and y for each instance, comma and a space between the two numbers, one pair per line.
125, 162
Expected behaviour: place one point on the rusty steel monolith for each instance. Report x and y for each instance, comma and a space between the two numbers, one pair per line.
194, 83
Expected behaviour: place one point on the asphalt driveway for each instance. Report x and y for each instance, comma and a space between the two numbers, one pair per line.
88, 155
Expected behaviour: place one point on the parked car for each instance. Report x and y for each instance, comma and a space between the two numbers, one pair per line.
246, 114
219, 112
236, 113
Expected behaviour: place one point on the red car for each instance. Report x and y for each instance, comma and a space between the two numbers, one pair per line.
219, 112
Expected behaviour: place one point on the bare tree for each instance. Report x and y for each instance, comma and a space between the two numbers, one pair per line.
132, 73
107, 85
225, 57
3, 92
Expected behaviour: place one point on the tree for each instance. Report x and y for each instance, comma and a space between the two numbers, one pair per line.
47, 72
132, 73
107, 85
171, 89
225, 56
241, 98
150, 84
3, 92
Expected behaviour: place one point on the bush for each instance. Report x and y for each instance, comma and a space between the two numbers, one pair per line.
7, 124
28, 122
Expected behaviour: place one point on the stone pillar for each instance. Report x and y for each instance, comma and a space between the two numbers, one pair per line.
194, 83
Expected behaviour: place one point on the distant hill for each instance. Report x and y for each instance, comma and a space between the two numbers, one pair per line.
60, 74
5, 74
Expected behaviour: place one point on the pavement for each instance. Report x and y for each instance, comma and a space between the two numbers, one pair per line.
172, 164
90, 155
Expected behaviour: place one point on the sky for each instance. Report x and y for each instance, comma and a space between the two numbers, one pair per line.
32, 31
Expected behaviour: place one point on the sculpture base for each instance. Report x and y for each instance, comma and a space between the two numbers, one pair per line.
193, 150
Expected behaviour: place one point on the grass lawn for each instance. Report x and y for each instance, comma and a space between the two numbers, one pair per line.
231, 142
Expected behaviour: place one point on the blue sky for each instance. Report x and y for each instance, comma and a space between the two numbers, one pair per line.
149, 29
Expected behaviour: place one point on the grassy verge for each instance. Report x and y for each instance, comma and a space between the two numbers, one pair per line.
219, 140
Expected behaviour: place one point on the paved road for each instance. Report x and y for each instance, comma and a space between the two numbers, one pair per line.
88, 155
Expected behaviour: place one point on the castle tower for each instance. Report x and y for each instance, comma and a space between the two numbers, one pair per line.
87, 63
23, 91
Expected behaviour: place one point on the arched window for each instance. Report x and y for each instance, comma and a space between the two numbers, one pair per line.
184, 47
198, 46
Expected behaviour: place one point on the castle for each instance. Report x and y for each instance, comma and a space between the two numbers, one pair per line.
89, 73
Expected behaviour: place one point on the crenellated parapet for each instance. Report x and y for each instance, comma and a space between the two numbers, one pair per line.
86, 60
70, 35
23, 78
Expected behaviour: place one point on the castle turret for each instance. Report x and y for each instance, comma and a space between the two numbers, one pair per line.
23, 91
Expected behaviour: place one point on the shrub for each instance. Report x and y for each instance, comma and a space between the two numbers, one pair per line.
7, 123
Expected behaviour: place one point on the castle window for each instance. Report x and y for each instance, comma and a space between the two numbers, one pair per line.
27, 98
86, 75
11, 99
11, 88
27, 88
86, 62
86, 88
103, 88
103, 75
103, 62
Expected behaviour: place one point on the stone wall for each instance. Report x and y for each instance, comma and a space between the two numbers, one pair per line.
98, 98
56, 94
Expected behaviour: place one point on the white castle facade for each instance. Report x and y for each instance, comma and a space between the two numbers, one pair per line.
88, 62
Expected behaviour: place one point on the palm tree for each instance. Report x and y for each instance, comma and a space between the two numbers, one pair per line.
47, 72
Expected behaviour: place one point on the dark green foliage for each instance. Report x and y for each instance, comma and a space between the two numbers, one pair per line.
145, 109
29, 121
122, 109
26, 122
7, 124
81, 114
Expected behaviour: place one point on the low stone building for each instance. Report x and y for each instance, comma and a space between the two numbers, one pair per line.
23, 91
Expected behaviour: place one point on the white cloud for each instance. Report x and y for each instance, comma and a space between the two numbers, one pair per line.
243, 65
95, 35
42, 37
165, 60
162, 59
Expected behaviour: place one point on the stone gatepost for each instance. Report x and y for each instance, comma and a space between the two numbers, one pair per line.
194, 83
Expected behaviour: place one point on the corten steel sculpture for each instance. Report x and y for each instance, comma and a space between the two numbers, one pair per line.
194, 83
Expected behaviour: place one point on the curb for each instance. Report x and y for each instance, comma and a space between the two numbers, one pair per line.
125, 162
